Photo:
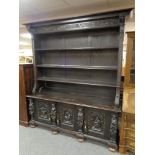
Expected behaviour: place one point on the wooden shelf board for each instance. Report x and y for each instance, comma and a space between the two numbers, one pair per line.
77, 49
76, 81
77, 67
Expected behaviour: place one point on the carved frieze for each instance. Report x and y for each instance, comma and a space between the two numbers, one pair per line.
113, 127
75, 26
80, 119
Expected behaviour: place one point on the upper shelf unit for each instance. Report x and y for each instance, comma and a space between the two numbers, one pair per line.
81, 53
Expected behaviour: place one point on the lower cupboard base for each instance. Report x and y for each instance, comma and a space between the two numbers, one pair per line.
80, 136
83, 122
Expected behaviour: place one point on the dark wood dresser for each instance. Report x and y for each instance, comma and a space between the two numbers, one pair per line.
127, 130
77, 70
25, 88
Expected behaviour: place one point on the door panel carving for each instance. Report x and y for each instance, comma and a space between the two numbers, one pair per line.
96, 122
43, 111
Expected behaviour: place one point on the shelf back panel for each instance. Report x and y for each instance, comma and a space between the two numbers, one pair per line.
108, 57
91, 76
90, 94
98, 39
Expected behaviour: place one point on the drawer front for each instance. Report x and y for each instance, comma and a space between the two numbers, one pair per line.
130, 143
129, 100
130, 134
67, 116
130, 125
129, 120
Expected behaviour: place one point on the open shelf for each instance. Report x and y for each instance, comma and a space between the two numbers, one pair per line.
77, 81
79, 100
77, 67
78, 49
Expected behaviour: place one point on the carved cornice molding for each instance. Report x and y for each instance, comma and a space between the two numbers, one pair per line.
76, 26
95, 21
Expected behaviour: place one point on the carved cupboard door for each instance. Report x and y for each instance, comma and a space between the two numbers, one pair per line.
67, 116
43, 111
95, 123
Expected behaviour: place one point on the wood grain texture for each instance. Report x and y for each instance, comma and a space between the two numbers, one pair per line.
25, 88
129, 60
127, 133
127, 129
129, 100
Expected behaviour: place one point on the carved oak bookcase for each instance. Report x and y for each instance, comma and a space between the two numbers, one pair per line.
77, 73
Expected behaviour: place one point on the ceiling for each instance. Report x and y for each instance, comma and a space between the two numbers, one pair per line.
39, 10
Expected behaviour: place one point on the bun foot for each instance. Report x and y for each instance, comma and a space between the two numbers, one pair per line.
81, 140
32, 125
112, 149
55, 132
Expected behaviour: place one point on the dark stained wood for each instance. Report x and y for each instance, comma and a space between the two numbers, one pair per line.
25, 88
78, 67
77, 49
84, 102
77, 72
76, 81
